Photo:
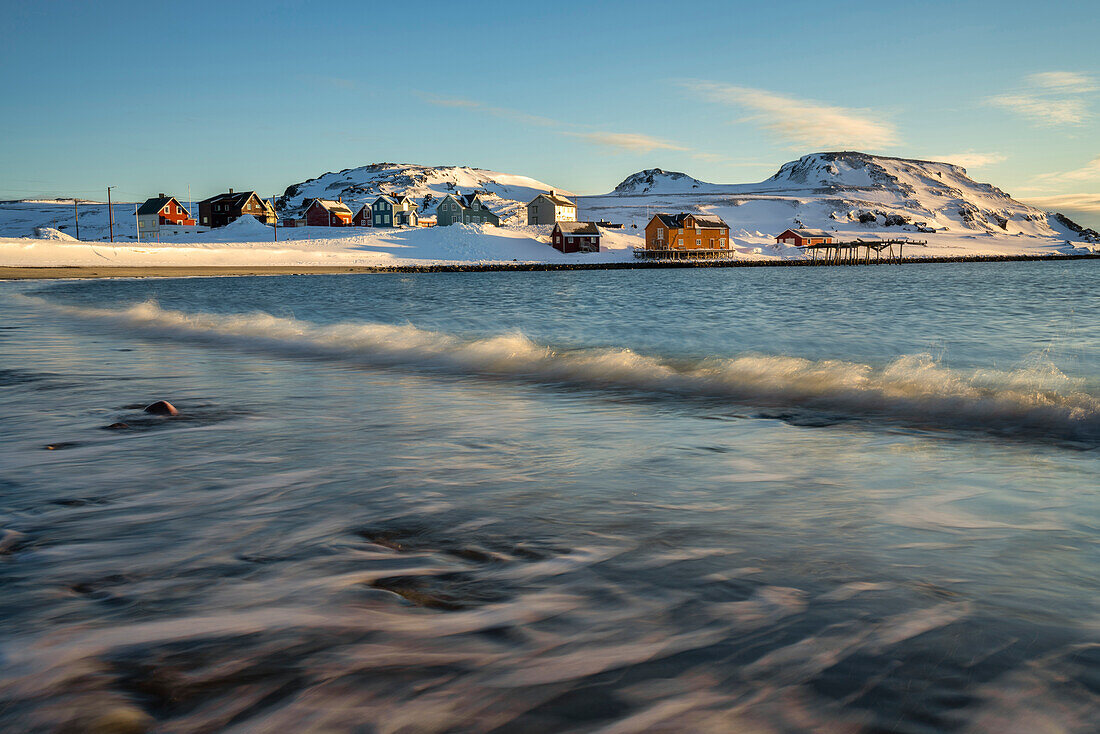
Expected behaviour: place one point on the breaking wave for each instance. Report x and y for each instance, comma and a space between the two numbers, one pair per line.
913, 390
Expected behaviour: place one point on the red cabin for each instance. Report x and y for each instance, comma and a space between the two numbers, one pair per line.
804, 237
328, 213
362, 217
575, 237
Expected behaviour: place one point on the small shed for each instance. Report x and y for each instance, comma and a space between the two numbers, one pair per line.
575, 237
804, 237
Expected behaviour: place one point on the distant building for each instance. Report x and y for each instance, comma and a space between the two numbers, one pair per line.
220, 210
550, 208
162, 215
575, 237
328, 213
394, 211
686, 232
804, 237
464, 209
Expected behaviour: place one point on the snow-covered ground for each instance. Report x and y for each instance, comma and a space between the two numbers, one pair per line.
852, 195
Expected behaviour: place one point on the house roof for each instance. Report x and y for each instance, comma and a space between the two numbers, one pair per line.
154, 205
237, 198
585, 228
337, 207
467, 200
807, 233
676, 221
555, 198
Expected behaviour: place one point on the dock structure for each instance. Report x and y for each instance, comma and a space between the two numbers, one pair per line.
857, 252
665, 253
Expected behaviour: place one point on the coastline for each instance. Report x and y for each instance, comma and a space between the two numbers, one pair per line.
59, 272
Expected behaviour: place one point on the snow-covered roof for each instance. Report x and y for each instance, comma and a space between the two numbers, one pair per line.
555, 199
585, 228
676, 221
337, 207
808, 233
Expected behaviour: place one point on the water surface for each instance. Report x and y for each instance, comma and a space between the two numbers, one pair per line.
857, 499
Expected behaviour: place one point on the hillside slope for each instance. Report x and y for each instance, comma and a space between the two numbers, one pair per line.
504, 193
838, 191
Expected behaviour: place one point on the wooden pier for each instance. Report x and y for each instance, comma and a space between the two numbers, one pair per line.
685, 254
858, 252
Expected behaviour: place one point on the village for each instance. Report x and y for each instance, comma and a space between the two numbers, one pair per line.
678, 236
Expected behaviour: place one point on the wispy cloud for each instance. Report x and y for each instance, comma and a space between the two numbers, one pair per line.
634, 142
1078, 202
1050, 98
505, 112
1069, 82
970, 159
1087, 172
802, 123
620, 142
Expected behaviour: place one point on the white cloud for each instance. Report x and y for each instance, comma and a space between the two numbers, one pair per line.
628, 141
1078, 202
1087, 172
970, 159
1069, 82
802, 123
1050, 98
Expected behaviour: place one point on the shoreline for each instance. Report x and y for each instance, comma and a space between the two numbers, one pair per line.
58, 272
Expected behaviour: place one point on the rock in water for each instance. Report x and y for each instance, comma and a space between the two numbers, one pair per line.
162, 407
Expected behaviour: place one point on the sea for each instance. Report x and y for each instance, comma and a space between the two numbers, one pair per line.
759, 500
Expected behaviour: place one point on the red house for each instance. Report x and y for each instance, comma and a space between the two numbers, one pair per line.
362, 217
328, 213
804, 237
160, 212
575, 237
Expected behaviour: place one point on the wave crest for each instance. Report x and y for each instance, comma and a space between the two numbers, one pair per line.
915, 390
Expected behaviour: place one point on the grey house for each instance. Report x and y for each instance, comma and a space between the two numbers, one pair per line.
550, 208
464, 209
394, 211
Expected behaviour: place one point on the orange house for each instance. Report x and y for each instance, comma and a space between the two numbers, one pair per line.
686, 232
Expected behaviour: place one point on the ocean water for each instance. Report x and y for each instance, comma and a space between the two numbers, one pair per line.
750, 500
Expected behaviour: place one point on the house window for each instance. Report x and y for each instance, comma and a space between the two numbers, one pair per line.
722, 242
660, 233
698, 243
679, 243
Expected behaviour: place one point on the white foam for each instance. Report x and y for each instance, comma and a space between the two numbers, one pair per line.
915, 390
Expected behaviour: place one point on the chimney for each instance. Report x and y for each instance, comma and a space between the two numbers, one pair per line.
340, 199
231, 191
163, 196
551, 192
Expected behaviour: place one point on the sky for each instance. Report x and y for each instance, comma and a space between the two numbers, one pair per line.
157, 97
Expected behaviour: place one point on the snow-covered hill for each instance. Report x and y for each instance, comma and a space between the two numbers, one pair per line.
838, 191
504, 193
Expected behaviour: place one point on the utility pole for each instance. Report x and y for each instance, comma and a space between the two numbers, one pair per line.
110, 214
137, 224
276, 219
76, 213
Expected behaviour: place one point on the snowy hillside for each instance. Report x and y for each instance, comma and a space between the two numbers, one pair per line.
838, 191
504, 193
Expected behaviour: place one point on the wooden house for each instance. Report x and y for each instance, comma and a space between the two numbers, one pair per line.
464, 209
575, 237
804, 237
220, 210
686, 232
363, 217
550, 208
162, 214
328, 213
394, 211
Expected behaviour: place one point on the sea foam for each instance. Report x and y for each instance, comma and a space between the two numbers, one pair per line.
913, 390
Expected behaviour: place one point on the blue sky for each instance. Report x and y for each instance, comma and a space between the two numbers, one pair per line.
149, 97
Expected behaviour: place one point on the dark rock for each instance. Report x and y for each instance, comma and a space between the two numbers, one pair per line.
161, 407
117, 427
